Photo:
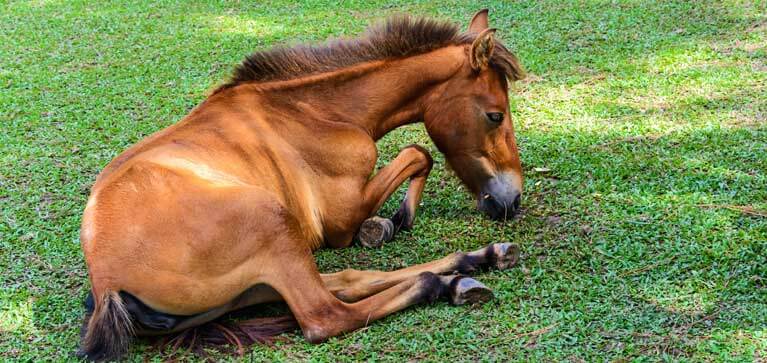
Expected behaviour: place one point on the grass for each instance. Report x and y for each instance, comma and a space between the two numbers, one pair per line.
643, 242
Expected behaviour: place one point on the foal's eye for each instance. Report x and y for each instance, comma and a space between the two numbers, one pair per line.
495, 116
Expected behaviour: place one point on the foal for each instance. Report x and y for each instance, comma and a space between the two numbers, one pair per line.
223, 209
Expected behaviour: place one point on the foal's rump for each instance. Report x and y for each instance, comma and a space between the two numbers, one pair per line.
176, 243
169, 251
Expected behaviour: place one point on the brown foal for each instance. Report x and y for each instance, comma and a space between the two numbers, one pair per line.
224, 209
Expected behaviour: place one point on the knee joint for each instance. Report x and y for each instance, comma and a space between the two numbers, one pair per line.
422, 154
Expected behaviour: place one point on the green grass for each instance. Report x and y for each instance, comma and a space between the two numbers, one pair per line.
644, 112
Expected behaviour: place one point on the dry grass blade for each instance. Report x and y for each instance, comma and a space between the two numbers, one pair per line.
535, 333
646, 268
745, 209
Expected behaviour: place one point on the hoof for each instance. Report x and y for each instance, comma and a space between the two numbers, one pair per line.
375, 231
469, 291
506, 255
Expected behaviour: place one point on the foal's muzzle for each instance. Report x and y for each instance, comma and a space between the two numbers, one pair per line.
499, 198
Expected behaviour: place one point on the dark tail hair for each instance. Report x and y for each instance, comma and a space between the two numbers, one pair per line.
227, 335
109, 329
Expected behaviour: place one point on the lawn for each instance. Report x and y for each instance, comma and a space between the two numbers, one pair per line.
642, 132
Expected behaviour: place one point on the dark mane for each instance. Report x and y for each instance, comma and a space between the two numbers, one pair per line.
398, 37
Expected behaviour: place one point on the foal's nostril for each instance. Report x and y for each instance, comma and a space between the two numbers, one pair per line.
499, 198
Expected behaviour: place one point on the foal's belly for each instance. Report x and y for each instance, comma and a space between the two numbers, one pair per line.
155, 322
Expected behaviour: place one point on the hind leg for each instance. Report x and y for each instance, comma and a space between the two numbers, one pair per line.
352, 285
321, 315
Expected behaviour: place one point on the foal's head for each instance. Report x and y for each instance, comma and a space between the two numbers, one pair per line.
470, 123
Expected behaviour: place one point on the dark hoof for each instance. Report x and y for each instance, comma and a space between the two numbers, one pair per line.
470, 291
506, 255
375, 231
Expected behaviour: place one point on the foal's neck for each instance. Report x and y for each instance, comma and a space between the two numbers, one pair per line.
377, 96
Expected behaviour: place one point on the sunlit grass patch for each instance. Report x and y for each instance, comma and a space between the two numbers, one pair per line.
16, 315
231, 23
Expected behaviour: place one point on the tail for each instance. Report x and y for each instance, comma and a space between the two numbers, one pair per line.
108, 330
226, 335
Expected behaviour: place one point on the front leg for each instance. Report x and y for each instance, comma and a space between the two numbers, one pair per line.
413, 162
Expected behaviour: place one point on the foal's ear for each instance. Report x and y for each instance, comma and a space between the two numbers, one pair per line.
479, 22
482, 49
